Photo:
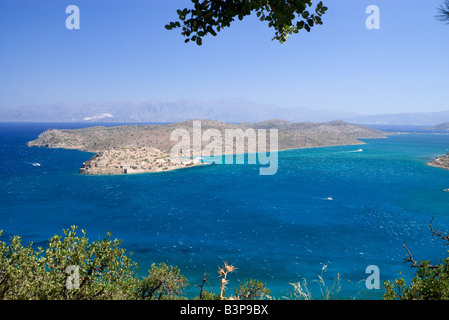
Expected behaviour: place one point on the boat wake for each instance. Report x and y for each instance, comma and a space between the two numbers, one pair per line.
34, 164
324, 199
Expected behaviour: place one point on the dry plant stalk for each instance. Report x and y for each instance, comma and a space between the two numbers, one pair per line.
301, 291
223, 272
326, 292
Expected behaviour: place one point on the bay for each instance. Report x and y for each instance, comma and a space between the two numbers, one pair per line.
343, 208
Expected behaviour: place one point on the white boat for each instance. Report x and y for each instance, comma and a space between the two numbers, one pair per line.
329, 198
36, 164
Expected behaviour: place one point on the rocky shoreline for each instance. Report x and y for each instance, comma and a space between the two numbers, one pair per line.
116, 161
440, 162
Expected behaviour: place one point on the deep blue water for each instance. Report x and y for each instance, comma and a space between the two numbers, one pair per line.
279, 229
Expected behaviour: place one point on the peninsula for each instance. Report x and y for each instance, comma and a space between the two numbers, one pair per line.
440, 162
146, 148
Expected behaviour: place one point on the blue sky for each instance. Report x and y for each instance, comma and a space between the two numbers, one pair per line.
123, 52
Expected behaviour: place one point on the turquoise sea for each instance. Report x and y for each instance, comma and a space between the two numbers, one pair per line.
279, 229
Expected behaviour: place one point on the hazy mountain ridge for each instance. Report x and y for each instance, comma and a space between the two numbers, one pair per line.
410, 118
234, 110
226, 110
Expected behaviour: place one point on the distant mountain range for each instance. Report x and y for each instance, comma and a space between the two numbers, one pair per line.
228, 110
412, 118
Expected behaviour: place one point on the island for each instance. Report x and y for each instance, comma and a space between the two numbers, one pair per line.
129, 149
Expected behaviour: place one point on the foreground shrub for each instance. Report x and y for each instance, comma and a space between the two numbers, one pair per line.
72, 268
431, 282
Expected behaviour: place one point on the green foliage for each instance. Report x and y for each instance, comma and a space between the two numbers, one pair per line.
163, 282
443, 12
105, 270
211, 16
208, 295
20, 268
252, 290
429, 283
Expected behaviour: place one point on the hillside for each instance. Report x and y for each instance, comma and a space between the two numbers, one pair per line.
440, 128
291, 135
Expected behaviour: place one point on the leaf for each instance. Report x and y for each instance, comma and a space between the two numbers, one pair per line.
210, 17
